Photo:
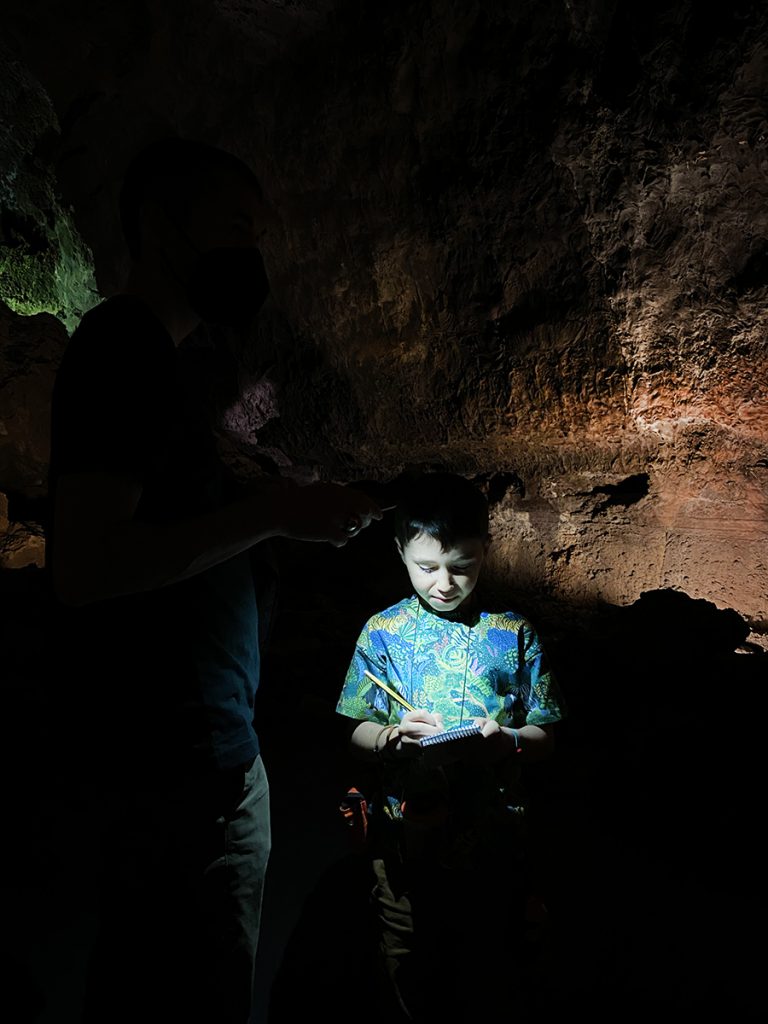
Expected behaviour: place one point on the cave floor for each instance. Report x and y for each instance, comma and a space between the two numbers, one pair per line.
638, 929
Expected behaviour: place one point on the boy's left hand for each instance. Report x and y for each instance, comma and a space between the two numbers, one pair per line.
491, 745
495, 745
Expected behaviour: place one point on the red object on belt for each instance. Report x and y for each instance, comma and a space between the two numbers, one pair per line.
354, 808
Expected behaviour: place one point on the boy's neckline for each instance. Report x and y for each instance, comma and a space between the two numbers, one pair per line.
467, 614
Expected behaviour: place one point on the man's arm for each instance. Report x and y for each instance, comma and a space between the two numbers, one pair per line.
102, 551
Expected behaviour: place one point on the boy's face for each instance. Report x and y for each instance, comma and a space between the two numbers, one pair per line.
443, 579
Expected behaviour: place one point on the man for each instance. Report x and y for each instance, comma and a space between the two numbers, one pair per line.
151, 556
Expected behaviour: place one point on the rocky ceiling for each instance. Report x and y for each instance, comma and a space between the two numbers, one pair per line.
528, 241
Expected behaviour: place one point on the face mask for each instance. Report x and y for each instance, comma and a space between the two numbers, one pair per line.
228, 286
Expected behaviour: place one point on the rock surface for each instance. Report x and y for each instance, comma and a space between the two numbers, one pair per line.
525, 241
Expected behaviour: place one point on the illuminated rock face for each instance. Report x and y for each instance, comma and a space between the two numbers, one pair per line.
44, 266
526, 239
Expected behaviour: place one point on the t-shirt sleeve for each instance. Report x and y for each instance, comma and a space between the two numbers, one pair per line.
543, 700
112, 402
360, 697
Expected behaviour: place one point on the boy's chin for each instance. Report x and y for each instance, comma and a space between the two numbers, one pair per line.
446, 606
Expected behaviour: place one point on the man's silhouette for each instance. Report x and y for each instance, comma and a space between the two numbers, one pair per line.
151, 557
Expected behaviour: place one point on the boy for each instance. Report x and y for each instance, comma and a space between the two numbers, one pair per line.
445, 829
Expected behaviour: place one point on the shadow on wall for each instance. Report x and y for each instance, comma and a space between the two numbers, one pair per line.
645, 822
643, 825
650, 808
675, 710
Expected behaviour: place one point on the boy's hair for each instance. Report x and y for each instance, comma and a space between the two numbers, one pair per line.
174, 172
445, 506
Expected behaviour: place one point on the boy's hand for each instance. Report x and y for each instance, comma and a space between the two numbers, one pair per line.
489, 746
414, 726
492, 744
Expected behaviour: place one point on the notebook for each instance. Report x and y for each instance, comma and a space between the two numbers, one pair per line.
462, 732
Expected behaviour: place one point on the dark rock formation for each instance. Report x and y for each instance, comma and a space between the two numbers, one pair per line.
526, 239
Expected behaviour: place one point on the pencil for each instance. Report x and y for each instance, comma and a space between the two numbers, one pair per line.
392, 693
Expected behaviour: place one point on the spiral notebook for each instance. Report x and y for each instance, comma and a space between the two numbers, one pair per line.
462, 732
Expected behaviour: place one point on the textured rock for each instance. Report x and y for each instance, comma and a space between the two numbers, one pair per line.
525, 240
21, 547
44, 266
30, 350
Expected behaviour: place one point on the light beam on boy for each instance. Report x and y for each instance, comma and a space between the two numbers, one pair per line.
449, 697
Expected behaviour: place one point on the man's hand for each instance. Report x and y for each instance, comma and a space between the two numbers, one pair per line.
324, 512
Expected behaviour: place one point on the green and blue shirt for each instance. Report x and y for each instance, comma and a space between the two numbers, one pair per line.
493, 668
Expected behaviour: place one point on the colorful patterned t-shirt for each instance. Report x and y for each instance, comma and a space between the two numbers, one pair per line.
494, 668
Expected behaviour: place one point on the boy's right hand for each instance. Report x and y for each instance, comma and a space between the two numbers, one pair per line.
414, 726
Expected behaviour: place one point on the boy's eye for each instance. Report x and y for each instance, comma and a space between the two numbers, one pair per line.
455, 570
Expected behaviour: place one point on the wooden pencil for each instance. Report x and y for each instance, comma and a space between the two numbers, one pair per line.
392, 693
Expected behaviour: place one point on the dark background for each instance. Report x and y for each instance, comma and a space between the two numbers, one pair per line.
646, 822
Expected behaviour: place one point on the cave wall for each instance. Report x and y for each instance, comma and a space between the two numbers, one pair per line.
526, 241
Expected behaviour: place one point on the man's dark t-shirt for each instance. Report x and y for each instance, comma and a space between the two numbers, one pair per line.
164, 677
